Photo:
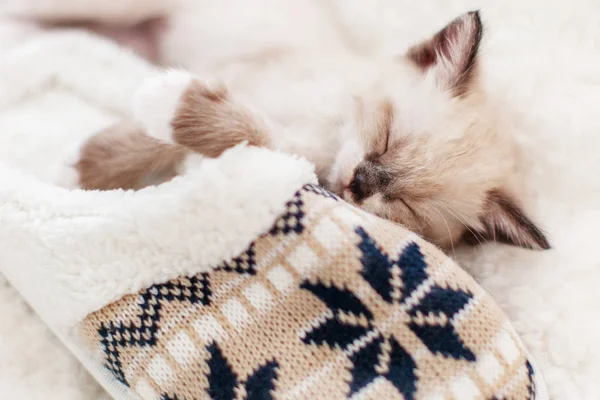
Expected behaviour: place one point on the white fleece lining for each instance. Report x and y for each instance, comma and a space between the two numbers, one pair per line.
73, 252
86, 65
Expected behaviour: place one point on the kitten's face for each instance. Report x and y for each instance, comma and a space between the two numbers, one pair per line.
425, 151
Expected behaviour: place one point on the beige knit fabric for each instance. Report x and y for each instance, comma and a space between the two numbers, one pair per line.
332, 303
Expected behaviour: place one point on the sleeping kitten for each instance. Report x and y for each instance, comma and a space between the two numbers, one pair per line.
412, 139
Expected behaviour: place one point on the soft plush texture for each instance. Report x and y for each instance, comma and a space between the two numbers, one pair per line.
48, 107
540, 58
108, 243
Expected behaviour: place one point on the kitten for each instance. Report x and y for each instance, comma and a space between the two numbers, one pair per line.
412, 139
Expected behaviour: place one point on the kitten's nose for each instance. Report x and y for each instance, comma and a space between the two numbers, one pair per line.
358, 186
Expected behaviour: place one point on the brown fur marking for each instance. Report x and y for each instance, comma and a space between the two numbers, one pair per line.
209, 122
122, 156
505, 222
442, 45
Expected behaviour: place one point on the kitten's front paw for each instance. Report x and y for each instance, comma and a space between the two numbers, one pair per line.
177, 108
157, 102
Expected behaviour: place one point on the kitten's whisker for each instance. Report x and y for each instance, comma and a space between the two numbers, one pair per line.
427, 215
448, 228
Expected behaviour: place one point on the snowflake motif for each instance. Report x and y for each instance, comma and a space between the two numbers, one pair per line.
351, 326
223, 383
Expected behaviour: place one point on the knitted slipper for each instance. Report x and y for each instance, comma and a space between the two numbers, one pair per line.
329, 303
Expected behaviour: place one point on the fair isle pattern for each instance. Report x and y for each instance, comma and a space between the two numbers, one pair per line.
331, 303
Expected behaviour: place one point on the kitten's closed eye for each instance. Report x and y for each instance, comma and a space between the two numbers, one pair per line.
374, 123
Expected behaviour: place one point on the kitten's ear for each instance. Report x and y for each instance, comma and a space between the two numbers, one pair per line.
505, 222
451, 54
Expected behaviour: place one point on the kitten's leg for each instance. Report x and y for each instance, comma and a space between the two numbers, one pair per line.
176, 107
123, 157
178, 113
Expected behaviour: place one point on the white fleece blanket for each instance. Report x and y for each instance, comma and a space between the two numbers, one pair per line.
543, 58
56, 89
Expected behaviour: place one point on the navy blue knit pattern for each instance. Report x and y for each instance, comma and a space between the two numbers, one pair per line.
223, 381
142, 332
243, 264
530, 374
367, 340
169, 397
292, 219
316, 189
